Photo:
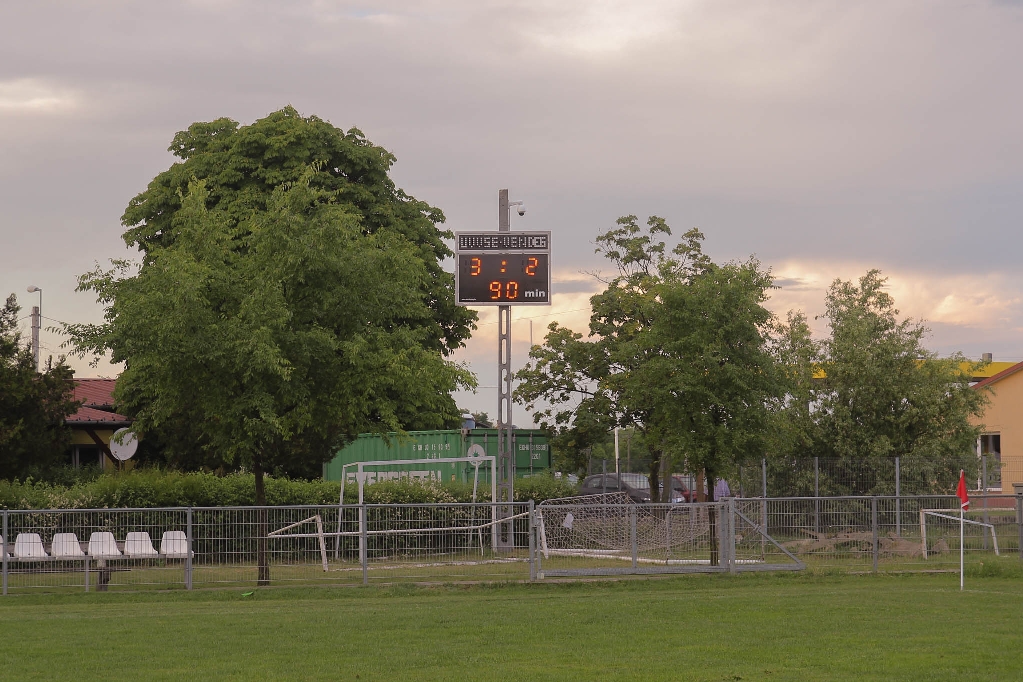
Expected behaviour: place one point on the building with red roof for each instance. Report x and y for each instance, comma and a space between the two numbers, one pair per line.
94, 423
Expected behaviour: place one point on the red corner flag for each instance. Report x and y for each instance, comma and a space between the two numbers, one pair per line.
961, 491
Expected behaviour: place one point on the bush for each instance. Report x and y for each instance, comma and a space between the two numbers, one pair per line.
147, 488
543, 487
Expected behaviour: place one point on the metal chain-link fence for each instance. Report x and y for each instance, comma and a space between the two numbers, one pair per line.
830, 477
182, 548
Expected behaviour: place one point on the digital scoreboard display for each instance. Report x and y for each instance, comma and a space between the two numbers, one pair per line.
503, 268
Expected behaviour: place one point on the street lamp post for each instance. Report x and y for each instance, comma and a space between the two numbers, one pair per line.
37, 320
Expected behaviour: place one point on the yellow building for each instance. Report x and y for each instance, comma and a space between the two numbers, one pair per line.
1002, 425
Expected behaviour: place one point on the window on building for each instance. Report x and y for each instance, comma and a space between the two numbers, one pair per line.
991, 453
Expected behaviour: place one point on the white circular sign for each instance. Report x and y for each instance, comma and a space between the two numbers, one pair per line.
476, 450
124, 450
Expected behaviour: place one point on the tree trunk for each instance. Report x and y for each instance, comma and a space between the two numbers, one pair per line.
628, 454
655, 474
713, 518
262, 526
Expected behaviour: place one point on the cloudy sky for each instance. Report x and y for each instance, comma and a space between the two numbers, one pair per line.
824, 137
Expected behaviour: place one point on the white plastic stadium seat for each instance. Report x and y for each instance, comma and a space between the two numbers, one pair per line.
66, 546
174, 544
29, 546
139, 545
103, 545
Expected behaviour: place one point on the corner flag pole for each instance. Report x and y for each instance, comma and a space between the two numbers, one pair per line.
964, 504
961, 534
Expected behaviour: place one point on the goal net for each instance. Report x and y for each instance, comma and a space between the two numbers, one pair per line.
601, 526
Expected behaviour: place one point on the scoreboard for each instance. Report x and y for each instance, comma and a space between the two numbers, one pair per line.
503, 268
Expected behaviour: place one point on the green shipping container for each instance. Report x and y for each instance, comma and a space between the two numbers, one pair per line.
532, 456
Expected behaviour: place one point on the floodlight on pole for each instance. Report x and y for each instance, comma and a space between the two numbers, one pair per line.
37, 320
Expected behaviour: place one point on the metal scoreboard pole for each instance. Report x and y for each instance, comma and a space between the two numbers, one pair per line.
503, 270
505, 453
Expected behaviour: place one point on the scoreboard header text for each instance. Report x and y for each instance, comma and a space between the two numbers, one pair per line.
504, 241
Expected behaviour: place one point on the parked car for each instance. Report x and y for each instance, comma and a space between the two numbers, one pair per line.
637, 486
681, 490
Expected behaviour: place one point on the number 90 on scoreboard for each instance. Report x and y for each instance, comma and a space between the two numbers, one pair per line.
494, 272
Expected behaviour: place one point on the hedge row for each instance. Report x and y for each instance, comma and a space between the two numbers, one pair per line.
154, 488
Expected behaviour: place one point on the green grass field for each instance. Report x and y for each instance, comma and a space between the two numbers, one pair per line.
748, 627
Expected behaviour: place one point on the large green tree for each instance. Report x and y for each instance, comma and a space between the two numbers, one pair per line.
871, 391
677, 348
244, 165
33, 405
241, 171
273, 337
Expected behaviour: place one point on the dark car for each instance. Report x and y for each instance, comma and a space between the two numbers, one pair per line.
636, 486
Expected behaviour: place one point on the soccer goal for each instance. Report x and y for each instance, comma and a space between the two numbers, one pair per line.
946, 516
419, 469
607, 534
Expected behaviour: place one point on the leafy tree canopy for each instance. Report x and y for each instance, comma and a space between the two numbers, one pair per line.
677, 348
270, 336
879, 393
33, 405
482, 420
242, 166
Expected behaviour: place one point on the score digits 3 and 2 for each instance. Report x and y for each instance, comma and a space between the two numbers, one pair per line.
507, 289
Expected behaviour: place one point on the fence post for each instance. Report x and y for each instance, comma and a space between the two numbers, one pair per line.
363, 553
898, 498
763, 505
532, 537
816, 495
923, 532
983, 499
667, 535
188, 548
873, 526
722, 534
731, 535
4, 548
1019, 523
632, 533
